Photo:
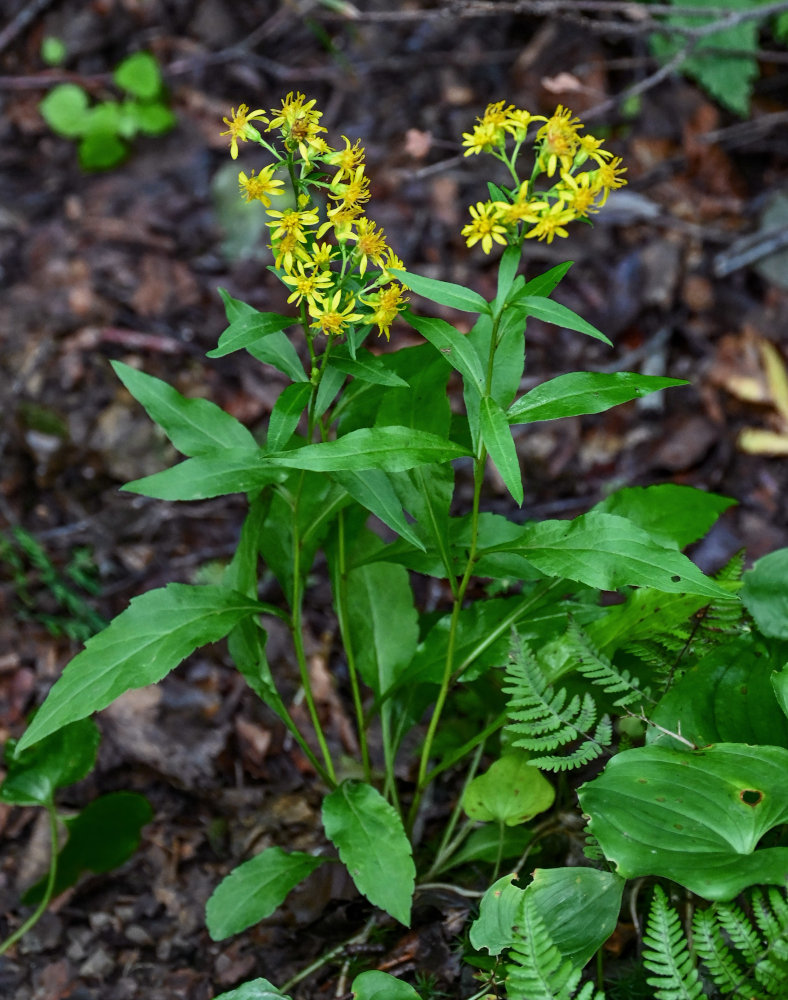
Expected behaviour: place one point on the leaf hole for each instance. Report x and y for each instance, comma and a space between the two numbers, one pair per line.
750, 796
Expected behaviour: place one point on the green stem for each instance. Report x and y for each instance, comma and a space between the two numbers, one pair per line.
476, 742
327, 956
34, 917
447, 846
340, 597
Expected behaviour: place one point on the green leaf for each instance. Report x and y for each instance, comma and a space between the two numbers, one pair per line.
277, 350
367, 368
249, 329
389, 448
253, 890
255, 989
726, 698
444, 292
453, 345
543, 284
153, 119
215, 475
383, 622
673, 515
139, 75
195, 426
498, 440
286, 413
608, 552
695, 817
489, 842
493, 929
578, 393
511, 791
34, 775
553, 312
100, 838
579, 908
101, 150
765, 593
139, 647
65, 110
368, 833
507, 272
375, 492
374, 985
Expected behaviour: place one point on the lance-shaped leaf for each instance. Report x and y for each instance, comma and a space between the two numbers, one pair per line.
578, 393
553, 312
543, 284
139, 647
389, 448
253, 890
368, 833
444, 292
286, 413
366, 367
609, 552
375, 492
456, 347
206, 476
195, 426
249, 329
498, 440
695, 817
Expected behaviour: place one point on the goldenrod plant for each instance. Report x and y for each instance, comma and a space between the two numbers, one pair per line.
525, 665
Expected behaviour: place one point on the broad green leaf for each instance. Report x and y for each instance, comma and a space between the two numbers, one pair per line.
543, 284
368, 833
553, 312
286, 413
65, 110
608, 552
235, 308
578, 393
490, 842
779, 680
456, 347
195, 426
726, 698
579, 907
424, 405
216, 475
368, 368
383, 622
253, 890
765, 593
248, 330
153, 119
139, 647
102, 837
374, 985
673, 515
389, 448
500, 906
139, 75
62, 758
507, 272
426, 493
374, 490
510, 791
255, 989
331, 382
695, 817
498, 440
278, 351
444, 292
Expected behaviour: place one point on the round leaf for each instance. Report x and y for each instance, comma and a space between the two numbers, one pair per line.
511, 791
65, 110
139, 75
765, 593
376, 985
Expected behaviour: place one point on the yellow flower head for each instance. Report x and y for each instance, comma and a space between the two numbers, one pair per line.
240, 127
262, 187
330, 317
297, 122
321, 255
348, 160
552, 223
307, 286
287, 250
371, 243
355, 191
484, 226
559, 140
517, 121
385, 304
608, 176
580, 192
291, 221
485, 137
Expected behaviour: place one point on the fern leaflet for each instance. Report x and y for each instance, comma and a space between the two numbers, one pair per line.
666, 954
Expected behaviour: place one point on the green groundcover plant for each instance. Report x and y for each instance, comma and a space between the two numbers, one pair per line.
591, 643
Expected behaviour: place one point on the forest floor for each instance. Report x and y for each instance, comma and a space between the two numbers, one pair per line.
125, 264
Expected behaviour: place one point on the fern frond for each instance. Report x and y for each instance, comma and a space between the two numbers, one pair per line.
718, 957
542, 719
598, 669
536, 969
743, 936
666, 954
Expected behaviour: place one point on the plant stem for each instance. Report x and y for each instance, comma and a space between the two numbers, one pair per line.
34, 917
327, 956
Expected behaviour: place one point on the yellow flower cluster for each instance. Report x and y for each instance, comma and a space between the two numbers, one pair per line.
525, 211
340, 282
